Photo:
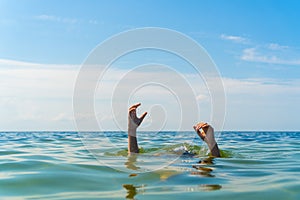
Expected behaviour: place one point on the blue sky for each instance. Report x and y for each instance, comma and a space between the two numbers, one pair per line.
255, 45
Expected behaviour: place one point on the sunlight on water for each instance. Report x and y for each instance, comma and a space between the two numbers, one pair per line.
56, 165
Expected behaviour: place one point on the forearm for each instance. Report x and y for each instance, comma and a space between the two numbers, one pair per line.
214, 151
132, 141
211, 142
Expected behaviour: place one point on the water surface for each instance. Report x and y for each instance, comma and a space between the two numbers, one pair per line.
58, 165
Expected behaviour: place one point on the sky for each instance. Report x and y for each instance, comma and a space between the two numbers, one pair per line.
254, 44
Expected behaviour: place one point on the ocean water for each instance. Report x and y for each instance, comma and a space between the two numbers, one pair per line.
71, 165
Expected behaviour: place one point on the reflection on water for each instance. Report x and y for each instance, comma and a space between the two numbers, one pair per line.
132, 190
208, 187
202, 169
131, 162
257, 165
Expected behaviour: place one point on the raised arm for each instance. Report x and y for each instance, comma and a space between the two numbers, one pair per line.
133, 123
206, 133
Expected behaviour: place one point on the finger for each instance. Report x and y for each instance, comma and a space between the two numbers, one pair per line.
135, 106
195, 128
132, 113
202, 132
132, 109
203, 125
143, 116
199, 125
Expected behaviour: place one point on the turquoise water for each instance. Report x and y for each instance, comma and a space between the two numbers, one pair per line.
46, 165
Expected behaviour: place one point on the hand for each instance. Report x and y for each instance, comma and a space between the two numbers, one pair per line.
206, 133
133, 120
201, 129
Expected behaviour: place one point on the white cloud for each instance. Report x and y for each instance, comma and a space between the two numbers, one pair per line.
16, 64
237, 39
202, 97
63, 116
275, 46
38, 96
118, 88
57, 19
35, 93
262, 104
261, 86
65, 20
93, 21
253, 55
271, 53
48, 17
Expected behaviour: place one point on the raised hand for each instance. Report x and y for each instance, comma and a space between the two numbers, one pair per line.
133, 120
201, 129
206, 133
133, 123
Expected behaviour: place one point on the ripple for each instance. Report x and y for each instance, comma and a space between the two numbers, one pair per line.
57, 165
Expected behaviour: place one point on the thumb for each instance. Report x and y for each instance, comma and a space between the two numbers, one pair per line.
143, 116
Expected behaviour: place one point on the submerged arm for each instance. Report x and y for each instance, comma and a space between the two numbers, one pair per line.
133, 123
133, 146
206, 133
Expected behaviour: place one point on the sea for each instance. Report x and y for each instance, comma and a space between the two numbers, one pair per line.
170, 165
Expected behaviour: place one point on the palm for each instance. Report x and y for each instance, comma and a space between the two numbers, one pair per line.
133, 119
201, 129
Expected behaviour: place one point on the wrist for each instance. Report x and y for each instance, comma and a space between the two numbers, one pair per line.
132, 131
211, 144
215, 152
132, 143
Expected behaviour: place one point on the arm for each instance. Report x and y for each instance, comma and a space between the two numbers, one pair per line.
133, 124
206, 133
